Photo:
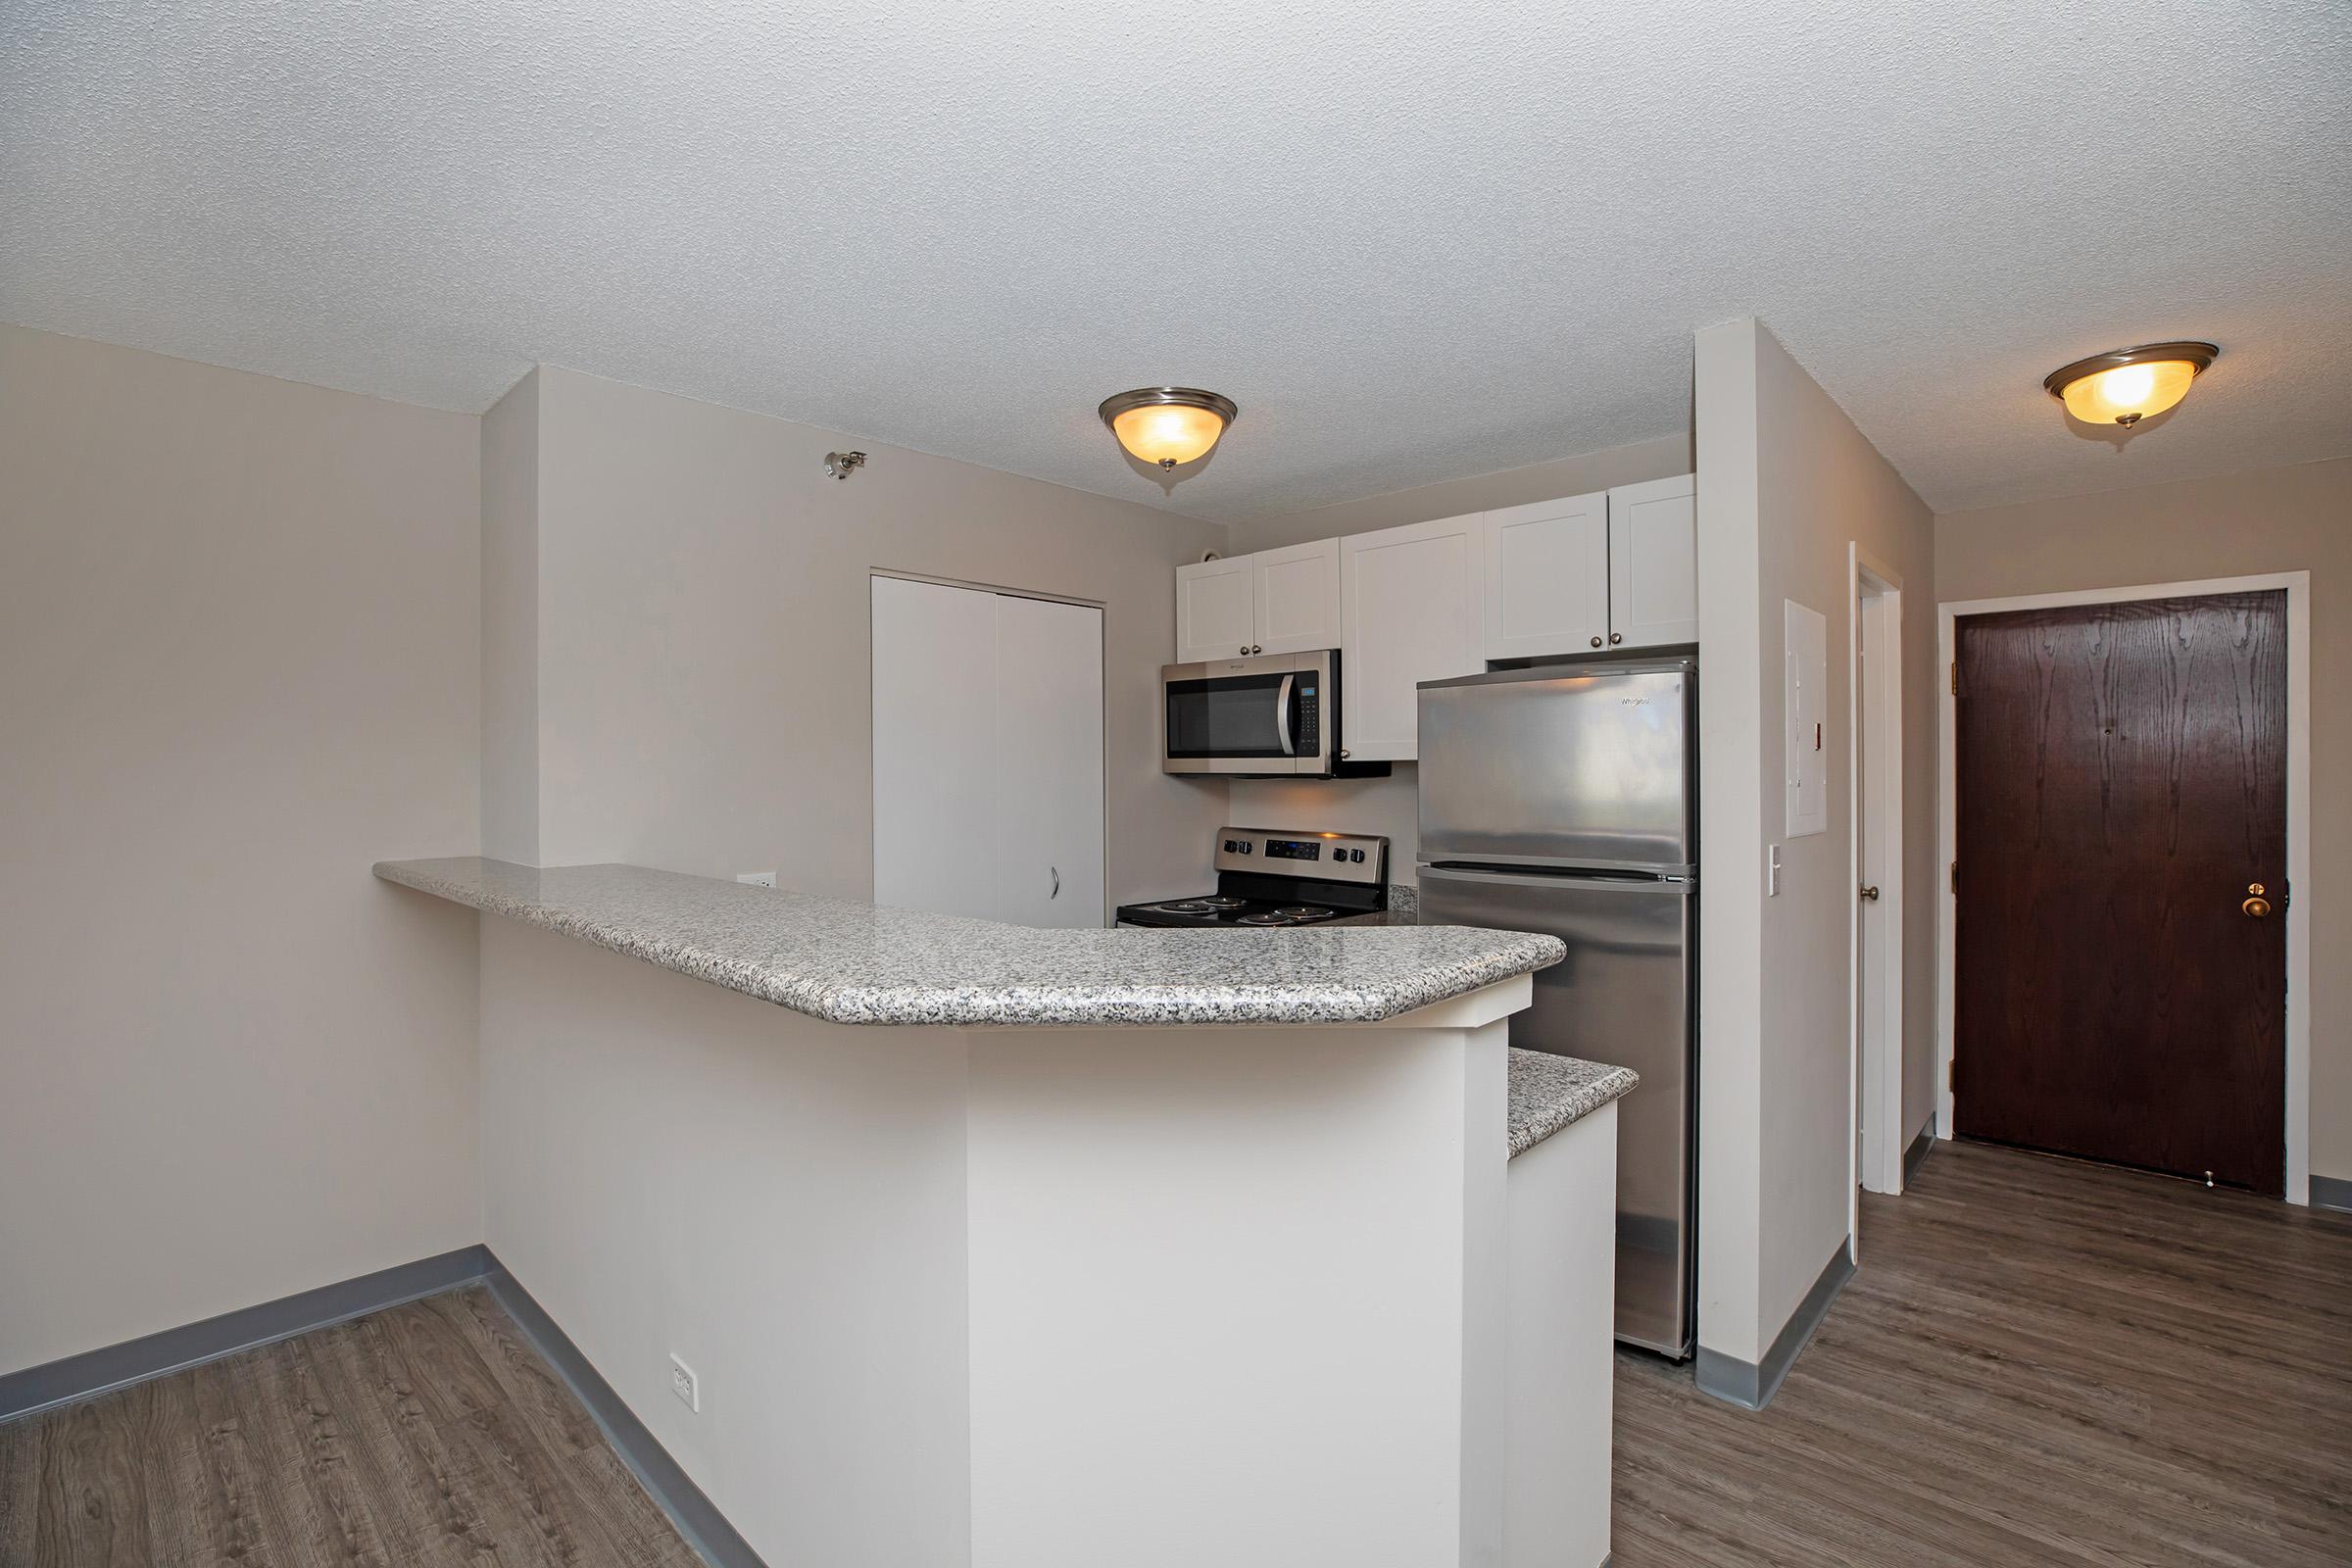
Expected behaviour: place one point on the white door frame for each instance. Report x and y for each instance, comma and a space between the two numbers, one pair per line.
1881, 750
2298, 914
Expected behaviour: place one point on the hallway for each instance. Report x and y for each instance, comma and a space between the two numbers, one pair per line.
2040, 1362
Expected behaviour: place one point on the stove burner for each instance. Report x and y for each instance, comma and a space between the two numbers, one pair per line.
1187, 906
1224, 902
1302, 911
1263, 919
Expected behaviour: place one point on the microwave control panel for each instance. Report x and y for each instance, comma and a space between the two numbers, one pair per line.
1309, 739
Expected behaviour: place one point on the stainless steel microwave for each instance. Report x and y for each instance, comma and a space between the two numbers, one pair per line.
1277, 716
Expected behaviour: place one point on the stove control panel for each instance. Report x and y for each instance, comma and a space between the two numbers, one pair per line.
1323, 856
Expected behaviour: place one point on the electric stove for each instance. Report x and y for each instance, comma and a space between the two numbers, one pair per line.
1267, 879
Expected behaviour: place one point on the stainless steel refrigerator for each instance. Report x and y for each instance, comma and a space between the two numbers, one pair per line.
1564, 799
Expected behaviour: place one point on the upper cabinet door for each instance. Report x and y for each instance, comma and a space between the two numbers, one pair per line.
1412, 607
1653, 562
1216, 610
1547, 578
1298, 591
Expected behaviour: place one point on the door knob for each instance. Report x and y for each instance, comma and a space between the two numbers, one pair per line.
1871, 893
2257, 906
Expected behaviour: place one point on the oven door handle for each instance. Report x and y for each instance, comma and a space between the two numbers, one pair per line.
1282, 715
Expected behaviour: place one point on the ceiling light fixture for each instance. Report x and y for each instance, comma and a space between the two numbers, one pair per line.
2129, 385
1168, 424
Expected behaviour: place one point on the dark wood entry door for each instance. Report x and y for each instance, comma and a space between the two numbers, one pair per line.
2122, 774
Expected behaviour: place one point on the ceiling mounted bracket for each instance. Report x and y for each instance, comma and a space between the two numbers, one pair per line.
841, 464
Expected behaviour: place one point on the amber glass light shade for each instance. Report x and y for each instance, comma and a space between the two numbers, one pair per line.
2130, 384
1168, 425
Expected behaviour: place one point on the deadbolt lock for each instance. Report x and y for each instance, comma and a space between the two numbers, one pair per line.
2256, 906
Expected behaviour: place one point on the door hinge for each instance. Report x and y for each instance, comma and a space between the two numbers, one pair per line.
1955, 677
1955, 876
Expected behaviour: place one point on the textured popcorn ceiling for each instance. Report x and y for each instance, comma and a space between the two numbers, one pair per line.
1415, 241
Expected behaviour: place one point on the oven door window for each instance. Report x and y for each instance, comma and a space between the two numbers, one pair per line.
1233, 716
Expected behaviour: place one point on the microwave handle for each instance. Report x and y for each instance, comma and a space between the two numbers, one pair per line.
1282, 715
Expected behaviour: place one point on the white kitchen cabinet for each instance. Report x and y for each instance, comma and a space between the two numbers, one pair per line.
1653, 562
1216, 609
1412, 607
1547, 578
1297, 598
987, 754
1282, 600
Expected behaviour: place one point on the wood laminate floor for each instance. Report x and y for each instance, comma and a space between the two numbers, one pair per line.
2040, 1362
425, 1435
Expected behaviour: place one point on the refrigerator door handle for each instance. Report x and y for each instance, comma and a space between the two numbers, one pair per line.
1632, 882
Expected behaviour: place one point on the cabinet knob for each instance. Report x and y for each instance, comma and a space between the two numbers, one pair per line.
1244, 648
1256, 647
1615, 638
1597, 642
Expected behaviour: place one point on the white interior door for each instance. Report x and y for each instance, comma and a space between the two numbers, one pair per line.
935, 743
987, 754
1049, 761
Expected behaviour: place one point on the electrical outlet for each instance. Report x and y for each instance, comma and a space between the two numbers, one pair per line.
685, 1384
757, 879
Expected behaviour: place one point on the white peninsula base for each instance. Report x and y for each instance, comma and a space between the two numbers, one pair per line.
1053, 1297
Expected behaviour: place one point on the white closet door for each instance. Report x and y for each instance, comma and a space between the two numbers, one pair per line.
935, 747
987, 754
1049, 760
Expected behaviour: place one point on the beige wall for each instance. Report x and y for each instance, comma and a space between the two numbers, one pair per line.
1785, 483
237, 663
509, 784
2295, 518
702, 695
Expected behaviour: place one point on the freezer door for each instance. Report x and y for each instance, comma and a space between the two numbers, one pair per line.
1536, 767
1622, 995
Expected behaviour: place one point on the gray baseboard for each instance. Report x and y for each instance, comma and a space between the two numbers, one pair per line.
2331, 1192
94, 1372
1751, 1385
1921, 1147
697, 1517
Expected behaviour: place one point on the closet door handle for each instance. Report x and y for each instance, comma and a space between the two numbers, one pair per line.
1056, 893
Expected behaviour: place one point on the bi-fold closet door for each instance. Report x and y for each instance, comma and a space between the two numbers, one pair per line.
987, 754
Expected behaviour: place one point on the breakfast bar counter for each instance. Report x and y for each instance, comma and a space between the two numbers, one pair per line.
994, 1245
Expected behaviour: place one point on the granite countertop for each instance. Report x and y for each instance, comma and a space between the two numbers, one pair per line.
1549, 1093
857, 963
